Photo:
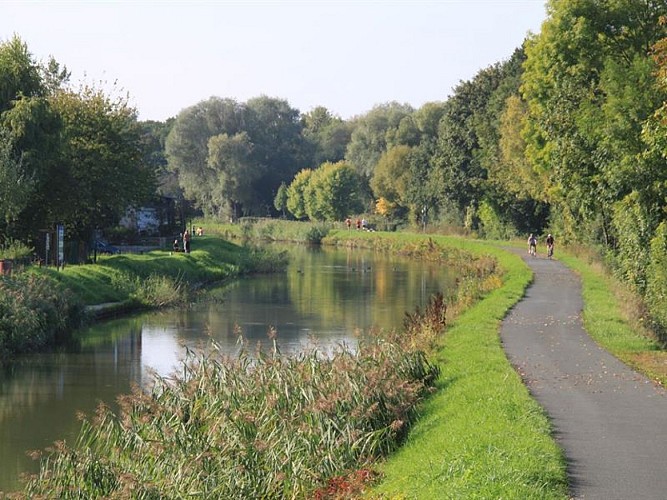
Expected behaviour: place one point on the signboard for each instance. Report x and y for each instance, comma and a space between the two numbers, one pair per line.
60, 236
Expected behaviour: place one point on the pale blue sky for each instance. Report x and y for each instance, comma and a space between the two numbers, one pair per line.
347, 56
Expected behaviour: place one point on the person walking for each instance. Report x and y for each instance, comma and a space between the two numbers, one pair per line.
186, 241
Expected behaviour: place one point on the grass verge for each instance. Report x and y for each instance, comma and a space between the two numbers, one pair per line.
117, 278
480, 435
612, 317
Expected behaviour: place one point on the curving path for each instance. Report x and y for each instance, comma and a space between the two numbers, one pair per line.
610, 421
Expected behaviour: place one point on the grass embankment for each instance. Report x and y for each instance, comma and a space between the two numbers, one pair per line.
120, 277
480, 435
613, 317
40, 307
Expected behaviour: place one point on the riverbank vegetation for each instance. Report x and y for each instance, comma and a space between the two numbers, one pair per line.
615, 316
315, 426
40, 307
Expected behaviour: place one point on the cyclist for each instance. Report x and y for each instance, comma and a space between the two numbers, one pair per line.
532, 245
550, 245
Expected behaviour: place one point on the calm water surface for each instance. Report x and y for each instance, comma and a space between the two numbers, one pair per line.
326, 297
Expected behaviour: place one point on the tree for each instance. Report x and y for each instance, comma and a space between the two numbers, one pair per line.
327, 135
392, 176
187, 146
280, 201
459, 174
296, 203
588, 92
274, 128
100, 171
270, 125
233, 174
373, 134
19, 73
15, 184
333, 192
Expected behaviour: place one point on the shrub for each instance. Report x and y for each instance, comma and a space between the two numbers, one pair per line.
656, 292
35, 313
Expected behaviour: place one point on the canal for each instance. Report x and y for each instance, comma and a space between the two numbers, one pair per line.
326, 297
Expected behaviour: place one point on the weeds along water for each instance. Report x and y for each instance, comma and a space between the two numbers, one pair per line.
253, 426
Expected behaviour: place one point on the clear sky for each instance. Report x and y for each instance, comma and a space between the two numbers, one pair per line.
345, 55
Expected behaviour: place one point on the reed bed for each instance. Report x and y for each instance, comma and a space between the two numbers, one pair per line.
254, 426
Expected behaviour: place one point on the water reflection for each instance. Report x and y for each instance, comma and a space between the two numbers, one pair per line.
325, 296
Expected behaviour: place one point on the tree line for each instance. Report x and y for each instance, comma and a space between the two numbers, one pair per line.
566, 135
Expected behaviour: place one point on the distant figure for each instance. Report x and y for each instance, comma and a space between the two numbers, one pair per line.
550, 245
358, 224
200, 231
364, 223
348, 223
175, 247
186, 241
532, 245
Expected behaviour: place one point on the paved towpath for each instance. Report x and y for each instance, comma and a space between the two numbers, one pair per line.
610, 421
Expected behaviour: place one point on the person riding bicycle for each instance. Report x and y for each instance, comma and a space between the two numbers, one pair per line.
550, 245
532, 244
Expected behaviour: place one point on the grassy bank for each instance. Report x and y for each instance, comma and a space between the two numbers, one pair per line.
480, 435
116, 277
613, 316
40, 307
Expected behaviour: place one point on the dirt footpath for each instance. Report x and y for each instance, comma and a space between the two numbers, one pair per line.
610, 421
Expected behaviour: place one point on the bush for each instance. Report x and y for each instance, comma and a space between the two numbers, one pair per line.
35, 313
656, 290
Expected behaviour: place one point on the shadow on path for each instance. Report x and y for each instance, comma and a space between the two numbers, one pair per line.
610, 421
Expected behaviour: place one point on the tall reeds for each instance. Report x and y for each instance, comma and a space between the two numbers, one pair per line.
262, 426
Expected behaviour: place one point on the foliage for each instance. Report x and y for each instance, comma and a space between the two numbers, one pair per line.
391, 177
259, 428
100, 161
15, 250
20, 73
15, 184
656, 288
333, 192
374, 133
270, 230
327, 135
296, 200
35, 313
227, 154
280, 201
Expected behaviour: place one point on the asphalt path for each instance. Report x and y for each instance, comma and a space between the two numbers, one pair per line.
610, 421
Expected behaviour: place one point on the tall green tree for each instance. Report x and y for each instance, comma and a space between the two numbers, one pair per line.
327, 135
19, 73
16, 185
187, 147
588, 64
373, 134
391, 178
233, 175
296, 201
459, 175
275, 130
333, 192
100, 165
